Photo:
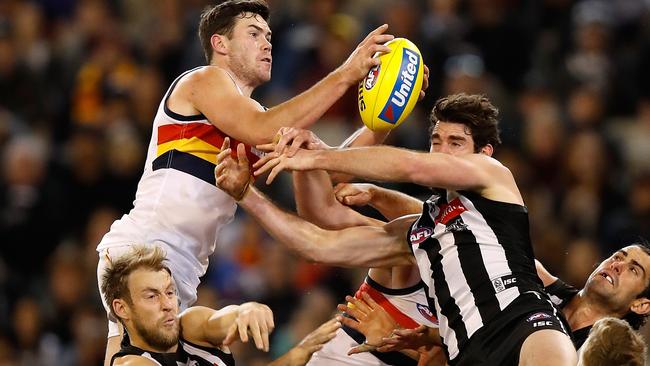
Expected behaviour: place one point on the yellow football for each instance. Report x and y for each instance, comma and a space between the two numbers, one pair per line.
389, 92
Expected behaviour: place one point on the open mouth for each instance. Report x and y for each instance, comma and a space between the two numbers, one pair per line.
607, 277
266, 59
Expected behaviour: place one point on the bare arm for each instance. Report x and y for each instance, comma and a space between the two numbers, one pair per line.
390, 203
543, 274
476, 172
316, 202
214, 328
359, 246
212, 92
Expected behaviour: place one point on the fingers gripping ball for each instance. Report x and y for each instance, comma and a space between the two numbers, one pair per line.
389, 92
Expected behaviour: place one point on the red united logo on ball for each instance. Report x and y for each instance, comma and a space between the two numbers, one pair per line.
372, 77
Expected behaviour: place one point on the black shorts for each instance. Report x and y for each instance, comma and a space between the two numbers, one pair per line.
499, 342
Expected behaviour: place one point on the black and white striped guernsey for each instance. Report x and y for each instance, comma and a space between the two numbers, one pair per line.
187, 354
475, 257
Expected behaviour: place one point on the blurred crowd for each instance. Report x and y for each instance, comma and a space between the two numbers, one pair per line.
80, 82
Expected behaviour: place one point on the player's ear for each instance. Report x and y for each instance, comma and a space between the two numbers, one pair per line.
220, 44
487, 150
121, 308
641, 306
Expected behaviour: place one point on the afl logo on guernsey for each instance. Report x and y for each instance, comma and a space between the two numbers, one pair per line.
420, 234
426, 313
403, 88
372, 77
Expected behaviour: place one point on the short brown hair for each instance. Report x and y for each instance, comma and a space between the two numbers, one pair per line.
475, 112
612, 341
115, 279
220, 19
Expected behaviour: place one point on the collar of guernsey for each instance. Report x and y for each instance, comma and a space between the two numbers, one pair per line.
192, 145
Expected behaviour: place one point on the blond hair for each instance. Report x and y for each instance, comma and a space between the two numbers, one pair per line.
115, 279
612, 341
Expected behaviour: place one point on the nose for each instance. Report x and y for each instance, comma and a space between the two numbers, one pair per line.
444, 148
616, 266
266, 45
168, 302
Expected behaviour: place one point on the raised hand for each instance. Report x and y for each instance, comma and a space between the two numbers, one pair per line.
363, 58
233, 177
370, 319
354, 194
254, 319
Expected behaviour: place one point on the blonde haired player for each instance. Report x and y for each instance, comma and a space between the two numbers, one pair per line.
177, 205
612, 341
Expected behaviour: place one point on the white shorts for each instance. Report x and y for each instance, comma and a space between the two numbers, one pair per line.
335, 352
186, 292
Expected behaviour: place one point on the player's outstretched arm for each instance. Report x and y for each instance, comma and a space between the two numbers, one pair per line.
213, 328
390, 203
361, 246
212, 92
476, 172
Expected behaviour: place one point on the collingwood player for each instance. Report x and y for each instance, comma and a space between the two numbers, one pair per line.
471, 243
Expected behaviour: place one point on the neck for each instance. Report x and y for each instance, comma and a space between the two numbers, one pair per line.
583, 311
245, 87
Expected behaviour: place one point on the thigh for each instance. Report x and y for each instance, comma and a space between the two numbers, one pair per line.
547, 347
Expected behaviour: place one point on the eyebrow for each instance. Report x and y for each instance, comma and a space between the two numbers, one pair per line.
634, 262
268, 33
451, 137
152, 289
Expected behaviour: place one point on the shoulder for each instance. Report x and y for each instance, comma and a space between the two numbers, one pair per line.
207, 74
134, 360
487, 163
497, 182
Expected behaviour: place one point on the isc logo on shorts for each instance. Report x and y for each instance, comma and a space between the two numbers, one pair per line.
403, 88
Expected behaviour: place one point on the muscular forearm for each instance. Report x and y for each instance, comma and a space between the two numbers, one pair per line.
216, 328
316, 202
314, 195
359, 246
295, 233
362, 137
380, 163
393, 204
306, 108
391, 164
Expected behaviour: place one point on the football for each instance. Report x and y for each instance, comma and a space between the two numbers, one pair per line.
389, 92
